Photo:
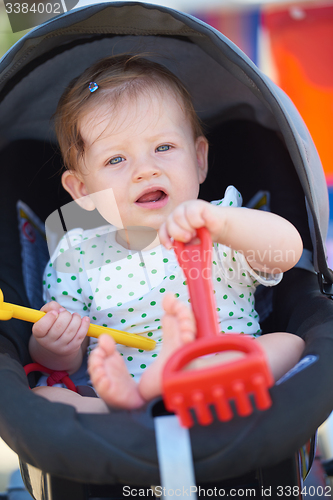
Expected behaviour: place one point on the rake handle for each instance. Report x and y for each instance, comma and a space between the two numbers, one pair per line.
213, 385
196, 262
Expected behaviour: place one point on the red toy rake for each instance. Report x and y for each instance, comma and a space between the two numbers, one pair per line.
213, 385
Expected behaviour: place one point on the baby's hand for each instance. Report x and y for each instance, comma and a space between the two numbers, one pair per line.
59, 331
182, 223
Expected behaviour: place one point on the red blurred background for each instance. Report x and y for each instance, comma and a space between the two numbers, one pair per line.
293, 44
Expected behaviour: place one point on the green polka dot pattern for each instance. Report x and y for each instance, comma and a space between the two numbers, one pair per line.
124, 290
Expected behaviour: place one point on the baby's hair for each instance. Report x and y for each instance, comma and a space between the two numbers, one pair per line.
115, 76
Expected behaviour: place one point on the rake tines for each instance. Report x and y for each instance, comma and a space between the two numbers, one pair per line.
216, 386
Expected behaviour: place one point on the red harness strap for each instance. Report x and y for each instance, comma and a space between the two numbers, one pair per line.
55, 376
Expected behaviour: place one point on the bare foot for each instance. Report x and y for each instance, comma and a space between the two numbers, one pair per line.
109, 373
110, 376
178, 329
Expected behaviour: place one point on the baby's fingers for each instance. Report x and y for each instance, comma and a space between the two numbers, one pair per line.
164, 237
194, 213
183, 222
178, 226
41, 328
180, 232
51, 306
76, 330
171, 230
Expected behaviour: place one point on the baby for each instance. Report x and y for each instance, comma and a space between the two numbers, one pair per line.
134, 149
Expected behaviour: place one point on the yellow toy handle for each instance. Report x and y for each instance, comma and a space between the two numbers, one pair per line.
8, 311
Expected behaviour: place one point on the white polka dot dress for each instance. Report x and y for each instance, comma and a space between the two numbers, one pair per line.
92, 274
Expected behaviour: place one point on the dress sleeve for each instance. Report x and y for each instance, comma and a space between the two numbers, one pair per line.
232, 265
232, 198
62, 280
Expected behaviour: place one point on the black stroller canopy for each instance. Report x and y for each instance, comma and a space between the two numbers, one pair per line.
228, 90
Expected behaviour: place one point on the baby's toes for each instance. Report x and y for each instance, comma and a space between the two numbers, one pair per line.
169, 304
96, 358
95, 369
187, 324
107, 344
187, 330
185, 316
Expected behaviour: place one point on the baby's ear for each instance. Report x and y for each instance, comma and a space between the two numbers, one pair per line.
74, 185
201, 146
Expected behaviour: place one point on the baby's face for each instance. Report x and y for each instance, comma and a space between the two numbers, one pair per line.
147, 154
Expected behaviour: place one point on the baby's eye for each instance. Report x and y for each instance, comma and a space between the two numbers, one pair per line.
116, 160
164, 147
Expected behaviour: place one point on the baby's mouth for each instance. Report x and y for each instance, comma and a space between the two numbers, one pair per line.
152, 197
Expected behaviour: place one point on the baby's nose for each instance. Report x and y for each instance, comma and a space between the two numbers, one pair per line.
146, 170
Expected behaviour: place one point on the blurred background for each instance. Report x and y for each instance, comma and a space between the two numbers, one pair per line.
292, 42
